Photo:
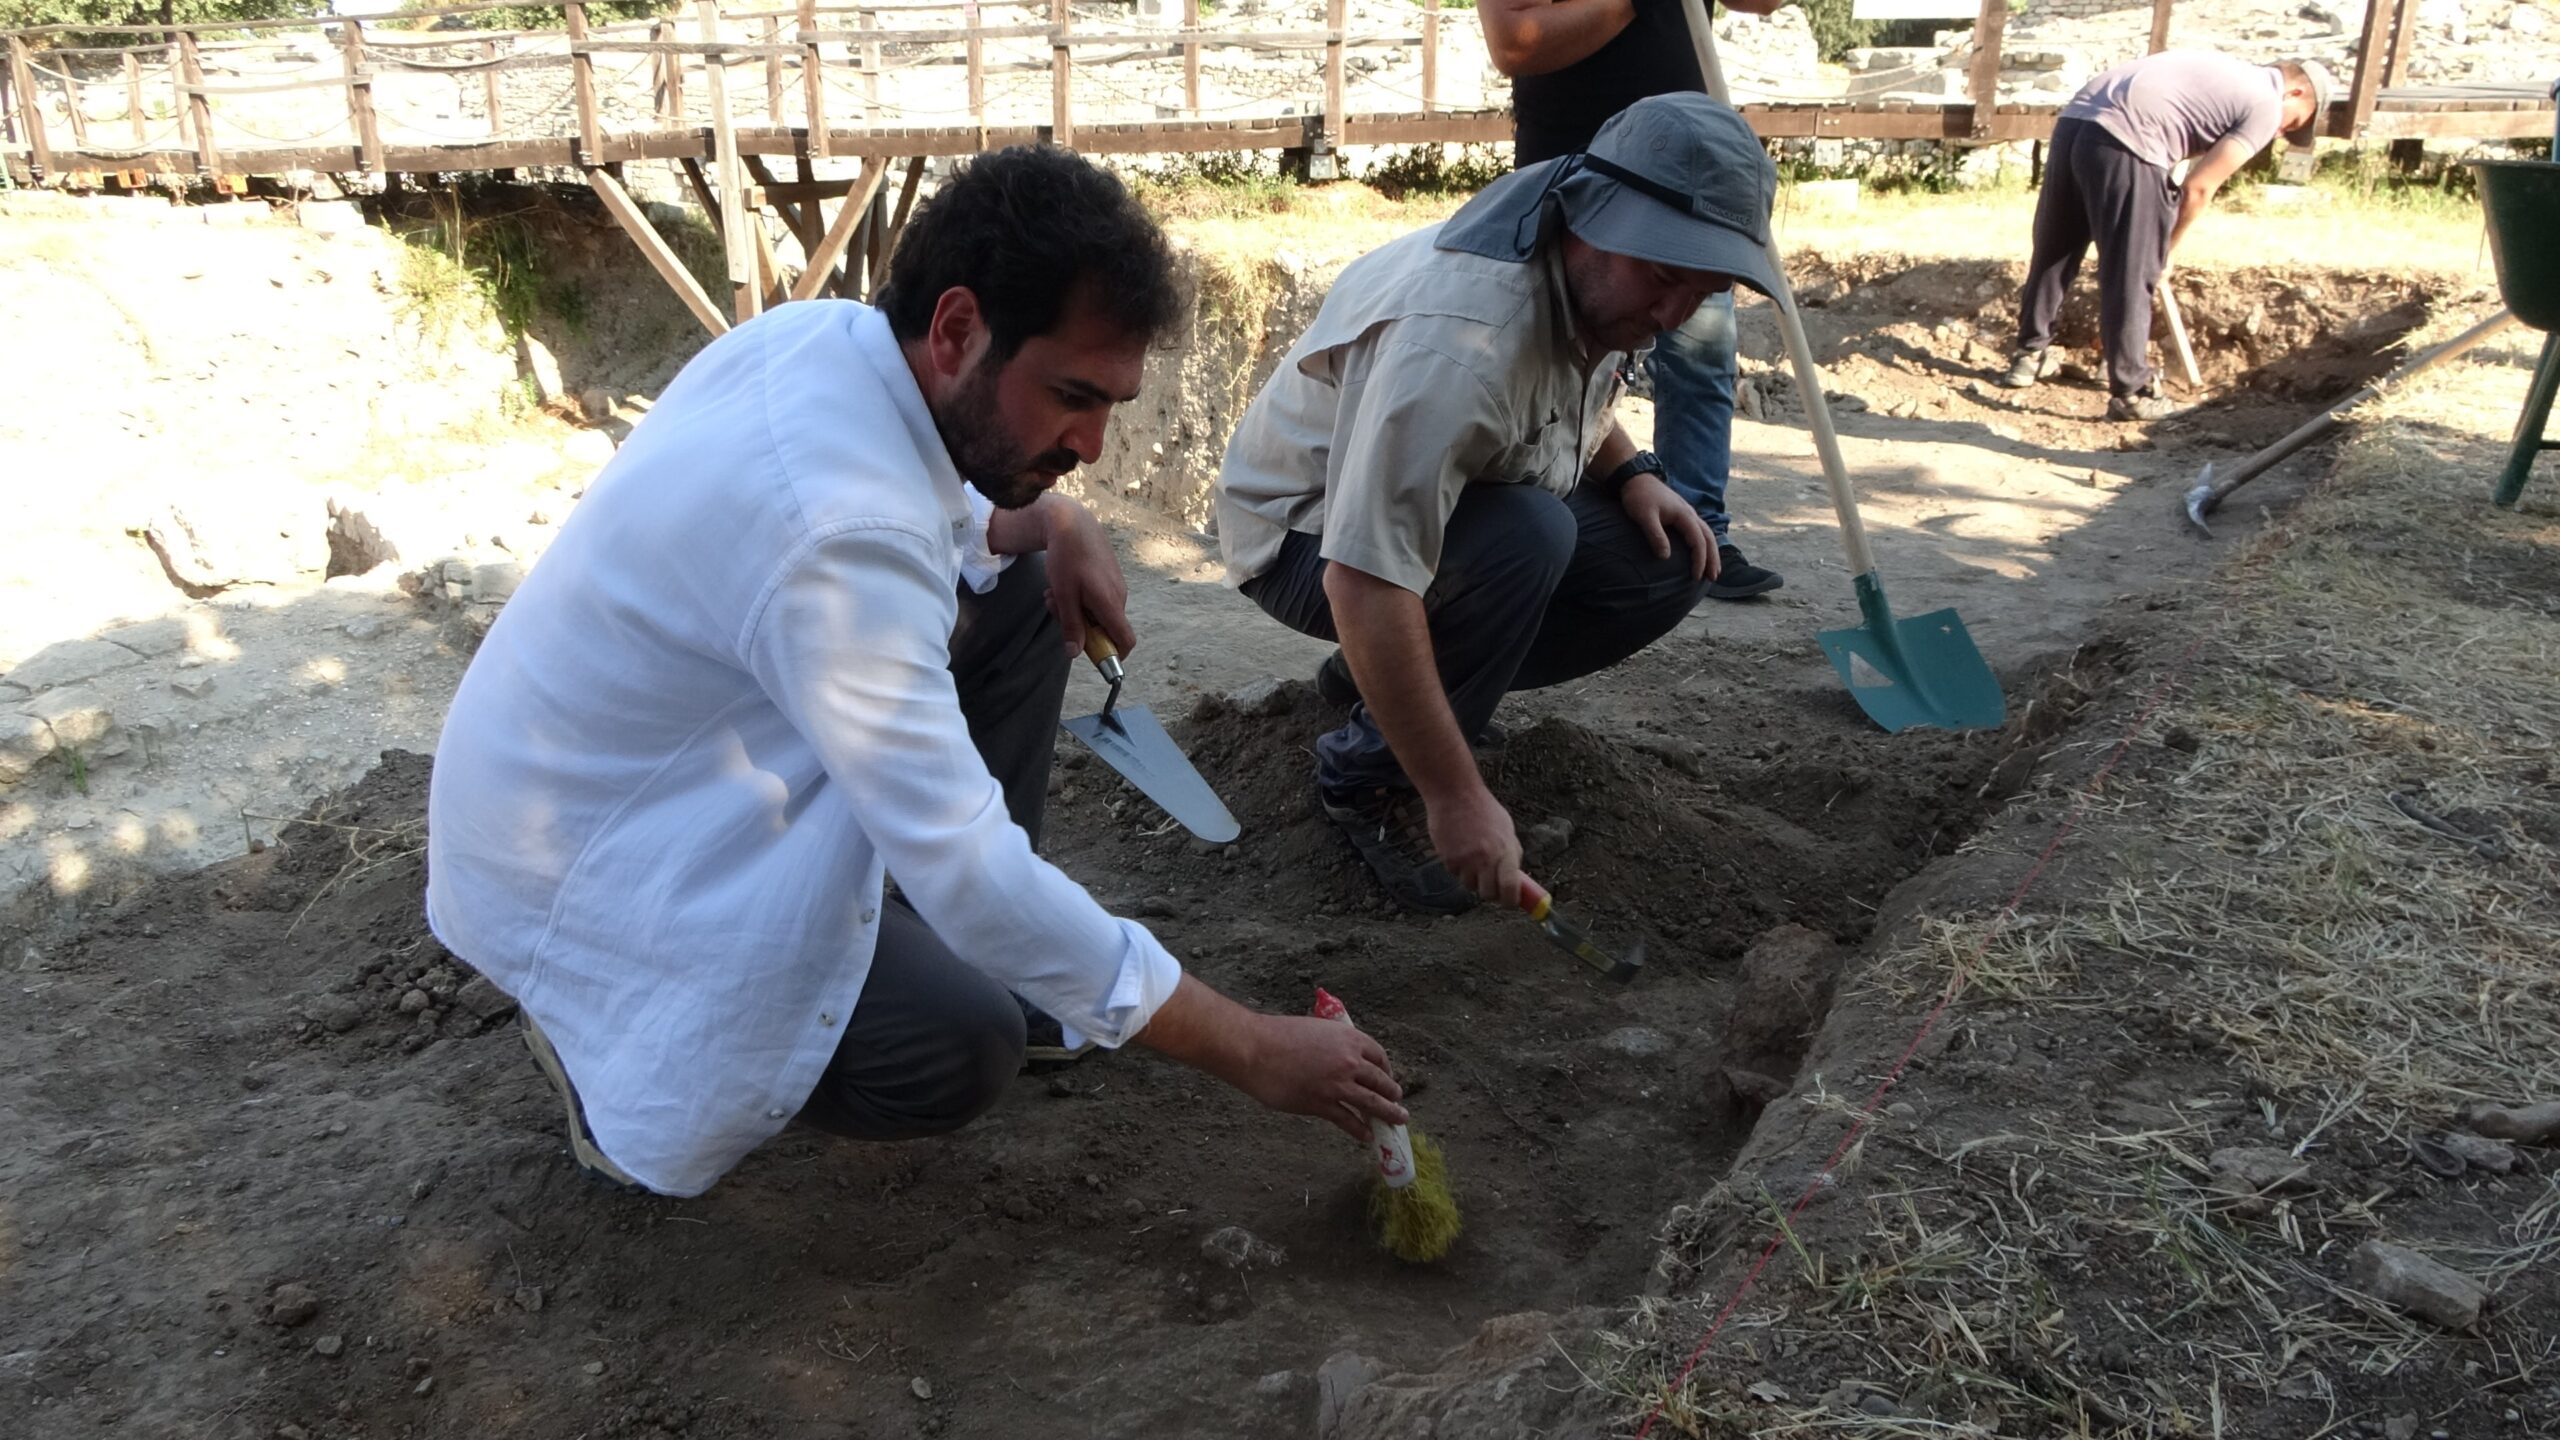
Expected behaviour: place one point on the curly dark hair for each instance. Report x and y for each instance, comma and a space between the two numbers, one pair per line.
1027, 229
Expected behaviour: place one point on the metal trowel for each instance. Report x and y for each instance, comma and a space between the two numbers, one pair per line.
1133, 743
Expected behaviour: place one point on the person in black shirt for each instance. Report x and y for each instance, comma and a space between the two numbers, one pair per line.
1573, 64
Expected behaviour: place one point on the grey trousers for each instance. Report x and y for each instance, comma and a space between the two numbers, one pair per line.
933, 1043
1532, 590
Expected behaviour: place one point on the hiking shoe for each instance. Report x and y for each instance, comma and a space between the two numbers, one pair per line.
2140, 405
2025, 369
1334, 683
1392, 831
582, 1141
1739, 579
1044, 1041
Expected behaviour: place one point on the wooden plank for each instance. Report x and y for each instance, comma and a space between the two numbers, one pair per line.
977, 62
823, 259
1334, 109
773, 70
360, 97
2406, 21
583, 70
1430, 57
870, 23
813, 77
133, 96
704, 194
493, 92
1191, 56
1983, 87
71, 109
2370, 63
1062, 69
30, 107
2159, 26
747, 296
191, 71
653, 247
1443, 128
906, 207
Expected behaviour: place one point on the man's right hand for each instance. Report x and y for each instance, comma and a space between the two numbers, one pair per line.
1473, 836
1326, 1069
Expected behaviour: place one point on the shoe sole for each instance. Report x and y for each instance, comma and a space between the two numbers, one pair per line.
1722, 591
1352, 823
582, 1147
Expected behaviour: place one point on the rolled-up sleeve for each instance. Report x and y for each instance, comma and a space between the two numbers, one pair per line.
1413, 427
852, 644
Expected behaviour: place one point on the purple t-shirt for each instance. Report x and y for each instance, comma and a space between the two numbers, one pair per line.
2177, 104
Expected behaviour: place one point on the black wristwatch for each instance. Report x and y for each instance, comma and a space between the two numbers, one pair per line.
1636, 464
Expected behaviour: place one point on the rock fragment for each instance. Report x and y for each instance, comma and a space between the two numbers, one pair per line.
2402, 1277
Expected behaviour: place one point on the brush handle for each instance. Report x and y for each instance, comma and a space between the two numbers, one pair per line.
1393, 1144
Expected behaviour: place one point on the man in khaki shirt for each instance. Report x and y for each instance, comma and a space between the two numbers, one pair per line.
1434, 477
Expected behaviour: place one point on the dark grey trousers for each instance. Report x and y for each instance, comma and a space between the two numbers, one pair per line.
933, 1042
1532, 590
2095, 189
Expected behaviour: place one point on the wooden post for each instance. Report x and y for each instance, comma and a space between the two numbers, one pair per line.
71, 108
2371, 62
360, 97
712, 214
823, 259
2159, 26
495, 90
178, 94
906, 207
870, 66
1985, 84
1191, 56
977, 69
660, 33
773, 74
748, 295
191, 68
813, 82
1062, 69
582, 68
2405, 21
1430, 57
654, 247
1333, 21
133, 96
22, 84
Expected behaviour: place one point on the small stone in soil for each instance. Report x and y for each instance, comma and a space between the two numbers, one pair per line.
2417, 1284
1636, 1043
292, 1305
1158, 907
414, 1001
328, 1346
921, 1388
595, 1367
425, 1387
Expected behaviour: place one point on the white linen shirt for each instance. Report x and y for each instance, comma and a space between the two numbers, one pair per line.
709, 718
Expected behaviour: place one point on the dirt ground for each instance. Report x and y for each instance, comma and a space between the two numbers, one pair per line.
283, 1168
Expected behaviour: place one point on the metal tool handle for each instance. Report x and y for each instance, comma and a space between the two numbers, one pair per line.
1817, 410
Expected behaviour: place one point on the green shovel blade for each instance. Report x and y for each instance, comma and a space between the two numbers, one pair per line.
1924, 671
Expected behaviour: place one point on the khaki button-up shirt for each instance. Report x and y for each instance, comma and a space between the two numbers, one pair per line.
1426, 371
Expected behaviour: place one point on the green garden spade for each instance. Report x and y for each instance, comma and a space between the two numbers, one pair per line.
1903, 673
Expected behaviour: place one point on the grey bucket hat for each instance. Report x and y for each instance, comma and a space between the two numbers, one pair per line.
1675, 179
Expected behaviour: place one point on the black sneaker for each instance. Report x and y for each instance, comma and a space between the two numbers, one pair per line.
1392, 832
1739, 579
582, 1141
1334, 682
2145, 404
2025, 369
1044, 1042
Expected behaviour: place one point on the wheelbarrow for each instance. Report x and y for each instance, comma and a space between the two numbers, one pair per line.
2522, 198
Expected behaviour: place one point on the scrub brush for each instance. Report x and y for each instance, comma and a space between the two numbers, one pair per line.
1415, 1216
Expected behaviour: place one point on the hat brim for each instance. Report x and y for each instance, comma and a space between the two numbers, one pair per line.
1622, 221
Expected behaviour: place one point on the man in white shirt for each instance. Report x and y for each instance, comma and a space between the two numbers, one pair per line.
811, 628
1434, 477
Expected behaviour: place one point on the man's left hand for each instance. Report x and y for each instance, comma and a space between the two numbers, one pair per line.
1660, 513
1085, 583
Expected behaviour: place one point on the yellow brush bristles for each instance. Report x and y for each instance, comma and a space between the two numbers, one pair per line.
1420, 1221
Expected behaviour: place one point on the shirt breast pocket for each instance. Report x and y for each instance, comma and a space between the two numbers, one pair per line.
1545, 457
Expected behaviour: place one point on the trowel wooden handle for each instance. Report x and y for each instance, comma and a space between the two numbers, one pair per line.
1098, 646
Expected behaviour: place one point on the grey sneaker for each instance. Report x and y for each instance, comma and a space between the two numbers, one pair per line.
582, 1141
1392, 832
2143, 404
2025, 369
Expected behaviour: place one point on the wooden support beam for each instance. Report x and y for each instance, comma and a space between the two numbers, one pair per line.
360, 97
1333, 81
133, 96
494, 92
2405, 21
669, 65
823, 259
787, 205
773, 73
72, 109
582, 70
906, 207
178, 96
29, 107
191, 70
813, 78
747, 294
870, 67
653, 247
1430, 57
1062, 69
2371, 61
977, 61
2159, 26
1983, 87
703, 192
1191, 55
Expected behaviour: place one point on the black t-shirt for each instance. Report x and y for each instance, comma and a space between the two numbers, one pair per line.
1558, 113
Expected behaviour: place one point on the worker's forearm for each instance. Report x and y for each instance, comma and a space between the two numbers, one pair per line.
1204, 1030
1616, 449
1386, 635
2192, 200
1534, 37
1026, 531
